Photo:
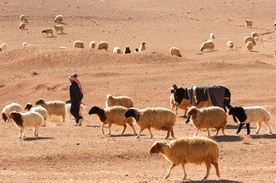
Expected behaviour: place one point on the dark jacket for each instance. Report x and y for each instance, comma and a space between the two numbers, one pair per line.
75, 93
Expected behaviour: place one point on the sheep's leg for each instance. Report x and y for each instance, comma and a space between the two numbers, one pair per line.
268, 126
185, 175
169, 172
208, 166
223, 131
109, 129
124, 129
217, 169
151, 136
259, 125
196, 132
217, 131
239, 129
35, 131
103, 128
138, 136
20, 133
168, 134
172, 133
131, 125
248, 128
208, 132
63, 117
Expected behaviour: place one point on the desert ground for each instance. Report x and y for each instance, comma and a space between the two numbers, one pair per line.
66, 153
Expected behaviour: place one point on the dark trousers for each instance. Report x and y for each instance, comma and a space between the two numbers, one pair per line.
75, 111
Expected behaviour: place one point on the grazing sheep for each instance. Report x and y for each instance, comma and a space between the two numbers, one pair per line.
55, 107
68, 107
58, 19
9, 108
208, 117
92, 44
28, 119
59, 28
196, 150
48, 31
249, 38
230, 44
3, 46
248, 23
183, 105
207, 45
127, 50
124, 101
22, 25
249, 45
142, 47
78, 44
249, 115
23, 18
39, 109
175, 52
158, 118
117, 50
113, 115
102, 45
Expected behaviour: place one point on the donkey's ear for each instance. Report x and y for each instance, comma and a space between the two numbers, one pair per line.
174, 86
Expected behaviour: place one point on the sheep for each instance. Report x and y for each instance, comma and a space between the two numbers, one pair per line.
78, 44
186, 150
230, 44
124, 101
102, 45
208, 117
30, 119
55, 107
9, 108
59, 28
127, 50
22, 25
25, 44
248, 23
68, 107
251, 114
39, 109
3, 46
158, 118
249, 45
23, 18
113, 115
48, 31
117, 50
249, 38
183, 105
207, 45
58, 19
254, 35
175, 52
142, 47
92, 44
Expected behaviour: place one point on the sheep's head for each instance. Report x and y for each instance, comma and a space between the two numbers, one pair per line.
132, 113
156, 148
17, 118
239, 113
28, 106
40, 102
99, 111
192, 111
4, 117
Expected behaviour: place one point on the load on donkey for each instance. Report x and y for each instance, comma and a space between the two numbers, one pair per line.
203, 96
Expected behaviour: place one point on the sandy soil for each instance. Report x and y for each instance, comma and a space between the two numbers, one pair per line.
64, 153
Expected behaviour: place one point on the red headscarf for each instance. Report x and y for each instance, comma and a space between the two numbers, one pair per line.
73, 78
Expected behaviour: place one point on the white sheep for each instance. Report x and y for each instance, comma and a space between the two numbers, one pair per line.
55, 107
249, 38
208, 117
127, 50
158, 118
249, 45
248, 23
22, 25
9, 108
196, 150
250, 115
68, 107
39, 109
48, 31
113, 115
102, 45
117, 50
92, 44
3, 46
28, 119
59, 28
25, 44
23, 18
118, 100
78, 44
230, 44
58, 18
142, 47
175, 52
207, 45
